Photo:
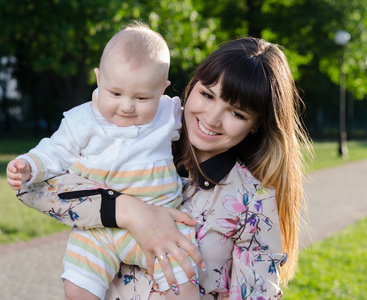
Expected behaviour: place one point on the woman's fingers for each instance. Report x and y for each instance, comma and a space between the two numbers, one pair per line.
180, 247
184, 218
184, 262
163, 260
155, 230
185, 243
167, 270
192, 251
150, 258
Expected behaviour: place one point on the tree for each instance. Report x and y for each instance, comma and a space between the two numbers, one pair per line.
58, 43
308, 33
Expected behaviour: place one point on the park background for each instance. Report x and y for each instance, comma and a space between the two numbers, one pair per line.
49, 48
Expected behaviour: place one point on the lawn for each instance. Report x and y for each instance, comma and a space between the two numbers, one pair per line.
334, 268
18, 222
327, 153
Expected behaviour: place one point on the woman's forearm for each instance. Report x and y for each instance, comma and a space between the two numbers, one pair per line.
78, 202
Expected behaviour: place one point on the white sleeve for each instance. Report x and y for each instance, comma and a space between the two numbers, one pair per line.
53, 156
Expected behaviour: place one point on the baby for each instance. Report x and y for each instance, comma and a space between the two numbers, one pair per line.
122, 140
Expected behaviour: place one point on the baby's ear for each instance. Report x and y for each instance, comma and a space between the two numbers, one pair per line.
167, 84
96, 72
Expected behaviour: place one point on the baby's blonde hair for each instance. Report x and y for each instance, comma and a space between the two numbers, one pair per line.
137, 45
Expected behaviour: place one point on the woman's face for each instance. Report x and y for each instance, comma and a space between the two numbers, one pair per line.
214, 126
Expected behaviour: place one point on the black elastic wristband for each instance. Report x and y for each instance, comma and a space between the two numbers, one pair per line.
108, 208
108, 203
80, 194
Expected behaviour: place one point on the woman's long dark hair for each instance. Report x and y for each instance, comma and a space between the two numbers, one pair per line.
255, 77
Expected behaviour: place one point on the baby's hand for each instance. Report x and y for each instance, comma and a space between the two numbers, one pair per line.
18, 171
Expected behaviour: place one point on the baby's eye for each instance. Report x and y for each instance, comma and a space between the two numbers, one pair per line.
206, 95
238, 115
142, 98
115, 94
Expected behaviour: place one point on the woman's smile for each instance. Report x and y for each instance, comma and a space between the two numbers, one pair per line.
205, 130
213, 126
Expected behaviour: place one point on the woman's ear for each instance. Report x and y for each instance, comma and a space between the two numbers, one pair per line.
256, 127
96, 72
254, 130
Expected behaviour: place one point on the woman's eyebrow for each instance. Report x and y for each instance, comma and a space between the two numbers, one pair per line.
209, 89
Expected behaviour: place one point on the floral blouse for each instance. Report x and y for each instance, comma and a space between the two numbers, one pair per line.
239, 235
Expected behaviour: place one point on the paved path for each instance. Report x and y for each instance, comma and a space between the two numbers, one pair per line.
336, 197
31, 270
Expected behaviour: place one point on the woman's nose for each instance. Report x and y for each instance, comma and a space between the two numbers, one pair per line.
214, 117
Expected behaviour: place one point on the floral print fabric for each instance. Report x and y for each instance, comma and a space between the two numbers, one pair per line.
81, 212
239, 236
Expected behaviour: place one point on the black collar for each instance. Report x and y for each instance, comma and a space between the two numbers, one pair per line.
215, 168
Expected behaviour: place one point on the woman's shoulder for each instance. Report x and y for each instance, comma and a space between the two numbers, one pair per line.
240, 177
240, 169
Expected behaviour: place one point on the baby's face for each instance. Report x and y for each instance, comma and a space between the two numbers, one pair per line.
129, 95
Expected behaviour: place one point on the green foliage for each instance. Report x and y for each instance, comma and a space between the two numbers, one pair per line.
52, 34
309, 30
59, 36
334, 268
57, 43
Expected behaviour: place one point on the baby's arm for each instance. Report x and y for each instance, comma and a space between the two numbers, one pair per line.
18, 171
54, 155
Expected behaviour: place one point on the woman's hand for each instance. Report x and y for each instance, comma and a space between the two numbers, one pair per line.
155, 231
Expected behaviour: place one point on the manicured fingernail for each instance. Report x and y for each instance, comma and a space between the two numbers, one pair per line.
200, 222
174, 288
203, 267
194, 280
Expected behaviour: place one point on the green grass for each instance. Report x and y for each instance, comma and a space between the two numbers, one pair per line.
333, 269
18, 222
326, 153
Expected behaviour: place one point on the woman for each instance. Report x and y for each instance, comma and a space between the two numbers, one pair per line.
240, 161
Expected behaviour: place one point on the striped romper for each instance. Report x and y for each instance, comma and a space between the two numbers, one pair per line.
135, 160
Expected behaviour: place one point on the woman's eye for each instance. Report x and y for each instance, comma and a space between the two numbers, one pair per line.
206, 95
238, 115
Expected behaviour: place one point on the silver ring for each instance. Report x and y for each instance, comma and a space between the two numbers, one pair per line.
160, 257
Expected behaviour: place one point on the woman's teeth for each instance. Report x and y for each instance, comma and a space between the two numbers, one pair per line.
206, 131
